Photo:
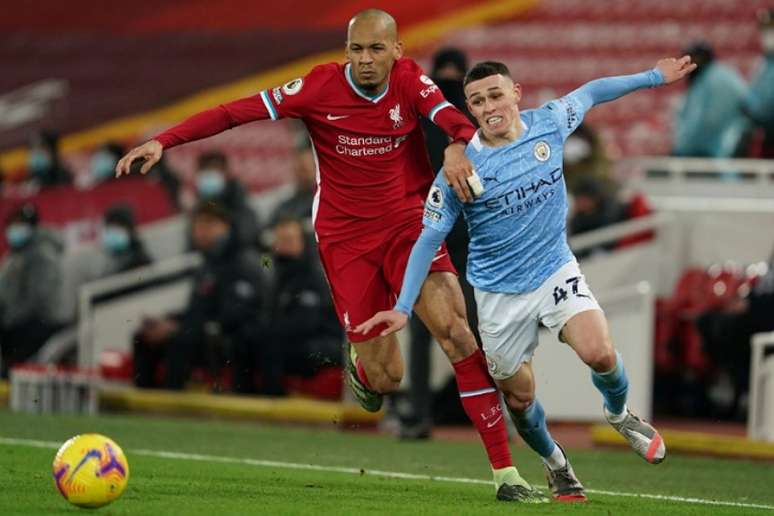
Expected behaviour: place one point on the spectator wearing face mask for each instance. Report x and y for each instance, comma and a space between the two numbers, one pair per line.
120, 242
215, 183
120, 249
710, 123
103, 162
759, 104
30, 278
44, 165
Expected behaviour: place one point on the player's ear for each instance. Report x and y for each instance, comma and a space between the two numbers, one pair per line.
398, 49
517, 92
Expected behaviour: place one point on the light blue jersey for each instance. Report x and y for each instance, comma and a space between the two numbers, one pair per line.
517, 227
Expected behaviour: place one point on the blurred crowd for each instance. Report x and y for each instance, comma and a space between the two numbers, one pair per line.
260, 310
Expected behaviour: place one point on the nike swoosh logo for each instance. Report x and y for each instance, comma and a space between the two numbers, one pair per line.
493, 423
439, 257
336, 117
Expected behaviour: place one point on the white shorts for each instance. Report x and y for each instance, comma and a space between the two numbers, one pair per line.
508, 323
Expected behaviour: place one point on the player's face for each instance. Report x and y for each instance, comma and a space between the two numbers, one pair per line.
372, 51
493, 101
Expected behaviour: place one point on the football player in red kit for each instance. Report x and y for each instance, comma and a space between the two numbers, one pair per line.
373, 174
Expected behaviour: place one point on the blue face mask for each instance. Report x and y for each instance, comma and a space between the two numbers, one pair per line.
39, 162
115, 239
102, 165
210, 183
18, 235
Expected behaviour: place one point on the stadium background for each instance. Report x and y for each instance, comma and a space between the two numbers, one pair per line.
99, 71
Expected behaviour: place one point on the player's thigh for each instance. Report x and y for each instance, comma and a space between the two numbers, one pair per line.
508, 326
588, 334
441, 306
357, 286
519, 389
571, 312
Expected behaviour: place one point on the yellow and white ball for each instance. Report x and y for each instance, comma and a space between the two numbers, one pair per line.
90, 470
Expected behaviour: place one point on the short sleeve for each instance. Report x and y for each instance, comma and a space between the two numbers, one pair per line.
442, 206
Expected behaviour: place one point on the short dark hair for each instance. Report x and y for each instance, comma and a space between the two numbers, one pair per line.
27, 213
120, 214
211, 209
485, 69
212, 158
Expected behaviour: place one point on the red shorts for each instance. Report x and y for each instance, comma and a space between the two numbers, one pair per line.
363, 283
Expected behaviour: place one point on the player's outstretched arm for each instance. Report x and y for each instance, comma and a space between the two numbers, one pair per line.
149, 153
606, 89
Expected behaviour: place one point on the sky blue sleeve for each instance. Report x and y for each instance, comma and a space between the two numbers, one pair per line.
442, 206
569, 110
441, 211
418, 266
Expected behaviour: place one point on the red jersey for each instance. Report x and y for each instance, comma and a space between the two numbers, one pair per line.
373, 172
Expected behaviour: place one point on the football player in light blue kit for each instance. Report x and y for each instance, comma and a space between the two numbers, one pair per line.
519, 261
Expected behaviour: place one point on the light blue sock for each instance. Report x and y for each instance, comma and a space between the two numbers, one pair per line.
613, 385
531, 425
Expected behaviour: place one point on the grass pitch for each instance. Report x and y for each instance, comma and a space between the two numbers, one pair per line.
193, 467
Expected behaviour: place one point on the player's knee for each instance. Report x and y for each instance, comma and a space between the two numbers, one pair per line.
387, 380
519, 401
601, 356
457, 340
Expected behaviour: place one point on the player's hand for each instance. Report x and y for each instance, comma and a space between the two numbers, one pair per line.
456, 169
392, 318
149, 153
674, 69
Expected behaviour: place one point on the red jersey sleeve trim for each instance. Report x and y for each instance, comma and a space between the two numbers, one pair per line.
273, 114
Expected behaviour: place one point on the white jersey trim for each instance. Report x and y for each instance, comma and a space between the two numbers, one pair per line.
269, 107
436, 109
316, 199
348, 76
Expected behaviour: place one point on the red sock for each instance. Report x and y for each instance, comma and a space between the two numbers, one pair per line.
482, 405
361, 374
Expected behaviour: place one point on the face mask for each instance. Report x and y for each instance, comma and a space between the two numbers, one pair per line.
767, 41
18, 235
39, 162
115, 239
102, 165
210, 183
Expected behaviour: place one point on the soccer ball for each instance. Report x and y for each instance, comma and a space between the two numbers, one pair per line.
90, 470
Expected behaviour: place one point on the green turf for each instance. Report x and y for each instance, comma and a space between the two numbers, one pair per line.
160, 486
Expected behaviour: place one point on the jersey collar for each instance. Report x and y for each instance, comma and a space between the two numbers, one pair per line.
356, 88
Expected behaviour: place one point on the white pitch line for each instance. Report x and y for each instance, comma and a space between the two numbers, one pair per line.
374, 472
